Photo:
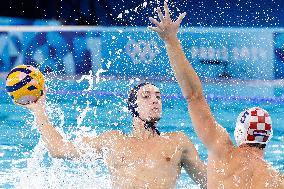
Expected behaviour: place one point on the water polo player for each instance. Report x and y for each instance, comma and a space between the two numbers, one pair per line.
228, 166
145, 116
145, 158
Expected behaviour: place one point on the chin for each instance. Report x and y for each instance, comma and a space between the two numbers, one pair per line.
155, 119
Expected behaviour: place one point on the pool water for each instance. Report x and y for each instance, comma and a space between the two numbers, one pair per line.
90, 107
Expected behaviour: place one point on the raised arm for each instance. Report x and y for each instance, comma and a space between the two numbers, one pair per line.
191, 162
212, 135
57, 146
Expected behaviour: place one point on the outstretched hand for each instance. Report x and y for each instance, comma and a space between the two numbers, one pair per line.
39, 105
166, 28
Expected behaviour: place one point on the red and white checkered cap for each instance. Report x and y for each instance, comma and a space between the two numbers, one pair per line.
253, 126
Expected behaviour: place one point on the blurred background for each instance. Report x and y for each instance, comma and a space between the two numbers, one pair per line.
237, 44
240, 39
215, 13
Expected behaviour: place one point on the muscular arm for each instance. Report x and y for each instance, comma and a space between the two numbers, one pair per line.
191, 162
212, 135
207, 129
56, 144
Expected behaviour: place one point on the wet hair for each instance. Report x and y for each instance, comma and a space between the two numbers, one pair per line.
257, 145
132, 105
132, 98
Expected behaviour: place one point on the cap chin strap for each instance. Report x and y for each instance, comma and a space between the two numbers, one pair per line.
150, 125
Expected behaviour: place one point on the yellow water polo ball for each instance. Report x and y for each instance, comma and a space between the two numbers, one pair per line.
25, 84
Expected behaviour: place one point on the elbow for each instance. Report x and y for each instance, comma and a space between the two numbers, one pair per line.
189, 95
189, 98
59, 153
195, 93
63, 154
193, 96
56, 154
61, 150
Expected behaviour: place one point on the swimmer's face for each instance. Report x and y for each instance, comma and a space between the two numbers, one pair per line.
149, 103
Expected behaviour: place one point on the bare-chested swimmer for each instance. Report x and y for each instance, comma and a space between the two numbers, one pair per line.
145, 158
229, 167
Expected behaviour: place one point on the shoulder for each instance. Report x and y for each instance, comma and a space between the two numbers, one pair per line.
112, 134
279, 178
104, 140
173, 134
179, 137
271, 175
105, 136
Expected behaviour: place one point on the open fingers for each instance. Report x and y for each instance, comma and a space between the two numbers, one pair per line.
180, 18
154, 21
167, 11
155, 29
160, 14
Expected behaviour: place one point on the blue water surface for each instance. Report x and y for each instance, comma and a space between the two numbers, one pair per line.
24, 162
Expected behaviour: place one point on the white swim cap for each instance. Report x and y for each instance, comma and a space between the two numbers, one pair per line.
253, 126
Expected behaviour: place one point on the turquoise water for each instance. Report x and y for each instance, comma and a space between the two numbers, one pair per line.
24, 161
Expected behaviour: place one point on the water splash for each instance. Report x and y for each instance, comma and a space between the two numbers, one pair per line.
90, 80
83, 113
44, 172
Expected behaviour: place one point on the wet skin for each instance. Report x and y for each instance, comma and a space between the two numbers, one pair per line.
141, 159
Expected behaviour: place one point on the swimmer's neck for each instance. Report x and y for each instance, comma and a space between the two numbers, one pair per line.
252, 150
140, 132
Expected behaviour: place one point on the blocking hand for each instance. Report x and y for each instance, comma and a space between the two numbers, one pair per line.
166, 28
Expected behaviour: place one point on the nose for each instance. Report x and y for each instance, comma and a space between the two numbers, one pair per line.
155, 100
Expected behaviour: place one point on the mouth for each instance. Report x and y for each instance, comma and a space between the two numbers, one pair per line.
155, 109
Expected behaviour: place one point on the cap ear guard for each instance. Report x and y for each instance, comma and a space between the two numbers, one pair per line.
131, 103
240, 131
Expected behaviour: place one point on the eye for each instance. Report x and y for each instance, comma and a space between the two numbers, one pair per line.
146, 96
158, 97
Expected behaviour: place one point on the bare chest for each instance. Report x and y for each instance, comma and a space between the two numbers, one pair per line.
144, 155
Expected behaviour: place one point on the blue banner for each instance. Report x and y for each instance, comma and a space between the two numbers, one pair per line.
240, 55
66, 52
137, 53
214, 53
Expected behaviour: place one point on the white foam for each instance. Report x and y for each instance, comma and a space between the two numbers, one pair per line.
45, 172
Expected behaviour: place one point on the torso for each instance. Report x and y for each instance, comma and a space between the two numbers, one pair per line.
151, 163
241, 170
